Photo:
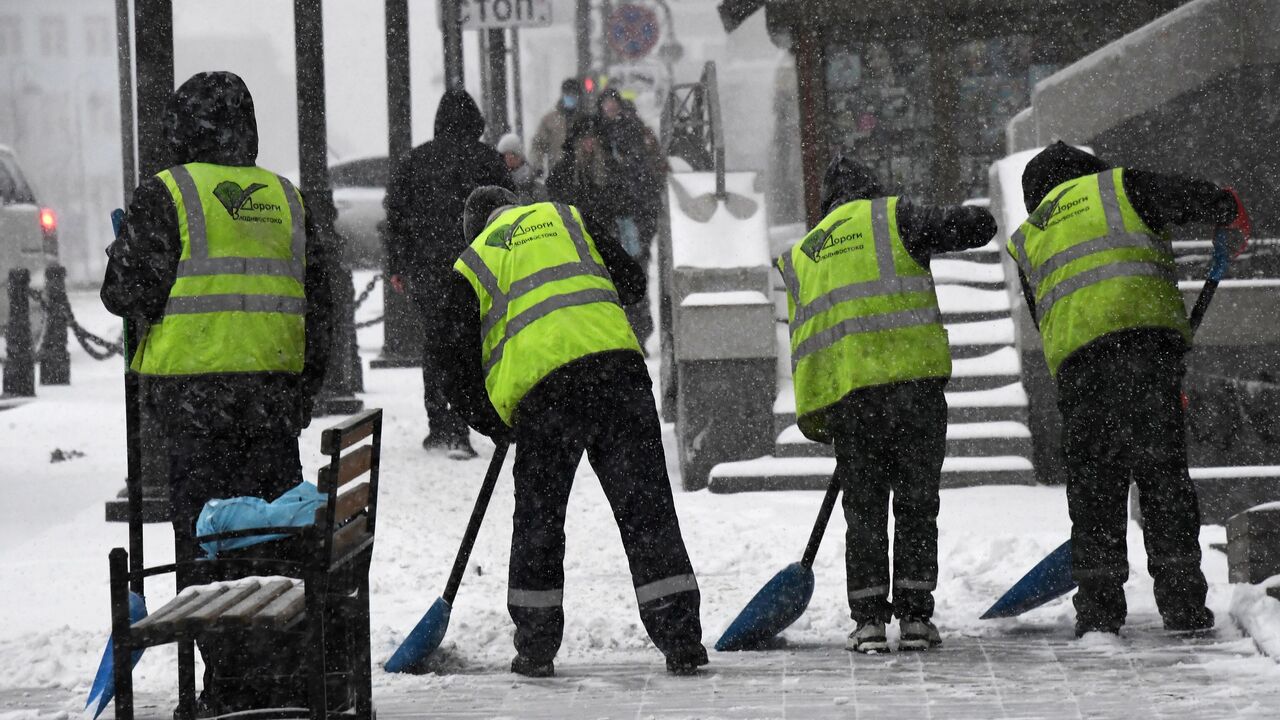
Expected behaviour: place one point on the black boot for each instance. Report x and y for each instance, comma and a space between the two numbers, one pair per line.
529, 667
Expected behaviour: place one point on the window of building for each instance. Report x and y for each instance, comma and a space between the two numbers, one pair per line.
53, 37
10, 35
99, 40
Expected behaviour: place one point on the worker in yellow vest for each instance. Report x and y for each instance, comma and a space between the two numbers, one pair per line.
218, 259
1099, 277
870, 360
542, 355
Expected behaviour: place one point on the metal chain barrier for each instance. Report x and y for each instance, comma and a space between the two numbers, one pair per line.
370, 323
365, 294
96, 347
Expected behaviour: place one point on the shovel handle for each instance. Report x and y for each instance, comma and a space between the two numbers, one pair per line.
473, 526
820, 525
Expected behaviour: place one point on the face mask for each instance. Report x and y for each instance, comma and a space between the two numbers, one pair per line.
569, 102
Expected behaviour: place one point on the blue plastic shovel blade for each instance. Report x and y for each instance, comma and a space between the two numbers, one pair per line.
778, 604
1049, 580
104, 682
425, 637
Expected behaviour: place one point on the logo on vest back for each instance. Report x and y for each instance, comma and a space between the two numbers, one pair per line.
1047, 209
822, 244
238, 200
505, 237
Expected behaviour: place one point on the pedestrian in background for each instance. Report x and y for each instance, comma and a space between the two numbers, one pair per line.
219, 259
425, 200
548, 140
1100, 279
523, 176
870, 359
561, 377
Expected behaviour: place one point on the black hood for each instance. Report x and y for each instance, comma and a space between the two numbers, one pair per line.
210, 119
458, 117
845, 181
1053, 166
481, 204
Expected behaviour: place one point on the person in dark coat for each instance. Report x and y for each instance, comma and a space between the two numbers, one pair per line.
424, 203
635, 157
876, 389
228, 434
600, 403
1120, 399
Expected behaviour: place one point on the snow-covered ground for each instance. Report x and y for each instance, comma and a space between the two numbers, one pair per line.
54, 544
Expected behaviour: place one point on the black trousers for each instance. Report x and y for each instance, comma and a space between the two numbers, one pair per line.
891, 438
1123, 422
443, 422
255, 671
613, 419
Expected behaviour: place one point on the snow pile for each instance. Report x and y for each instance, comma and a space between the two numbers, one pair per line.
1258, 614
724, 240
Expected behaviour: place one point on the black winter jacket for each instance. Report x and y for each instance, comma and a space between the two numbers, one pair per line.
458, 345
211, 119
1160, 200
429, 189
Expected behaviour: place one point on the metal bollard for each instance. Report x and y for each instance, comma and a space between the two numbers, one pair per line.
19, 369
401, 330
337, 397
55, 361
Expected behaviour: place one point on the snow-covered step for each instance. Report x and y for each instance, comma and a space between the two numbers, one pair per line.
775, 473
983, 332
1002, 362
962, 300
1007, 402
969, 271
977, 439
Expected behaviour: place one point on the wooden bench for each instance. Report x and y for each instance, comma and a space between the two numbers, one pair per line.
329, 578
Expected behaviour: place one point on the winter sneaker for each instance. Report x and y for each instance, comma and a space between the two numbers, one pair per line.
687, 661
868, 638
460, 449
528, 667
918, 634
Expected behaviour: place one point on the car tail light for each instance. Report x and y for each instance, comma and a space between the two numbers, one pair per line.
48, 221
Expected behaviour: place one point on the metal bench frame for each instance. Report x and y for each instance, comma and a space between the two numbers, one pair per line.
334, 572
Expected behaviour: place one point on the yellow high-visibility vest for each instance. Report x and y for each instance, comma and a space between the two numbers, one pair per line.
1095, 267
862, 311
545, 297
238, 304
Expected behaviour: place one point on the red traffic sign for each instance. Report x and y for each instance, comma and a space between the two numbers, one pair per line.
633, 31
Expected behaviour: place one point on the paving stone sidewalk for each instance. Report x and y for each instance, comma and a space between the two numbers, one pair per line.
1147, 674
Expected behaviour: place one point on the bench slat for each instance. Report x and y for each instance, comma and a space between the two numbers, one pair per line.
349, 504
166, 611
350, 536
242, 611
283, 609
351, 466
211, 611
348, 432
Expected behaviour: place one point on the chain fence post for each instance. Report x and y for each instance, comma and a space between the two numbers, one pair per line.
19, 369
55, 361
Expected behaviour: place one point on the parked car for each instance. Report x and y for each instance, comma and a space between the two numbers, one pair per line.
28, 236
358, 189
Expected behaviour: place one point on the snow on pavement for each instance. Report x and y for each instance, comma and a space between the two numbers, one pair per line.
54, 543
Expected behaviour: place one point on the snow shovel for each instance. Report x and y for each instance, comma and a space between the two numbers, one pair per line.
427, 635
703, 207
1051, 578
784, 598
104, 684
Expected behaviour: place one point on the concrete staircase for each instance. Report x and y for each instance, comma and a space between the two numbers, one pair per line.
988, 441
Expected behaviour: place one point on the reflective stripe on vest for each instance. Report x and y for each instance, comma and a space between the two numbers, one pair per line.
854, 290
1070, 257
238, 300
533, 263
